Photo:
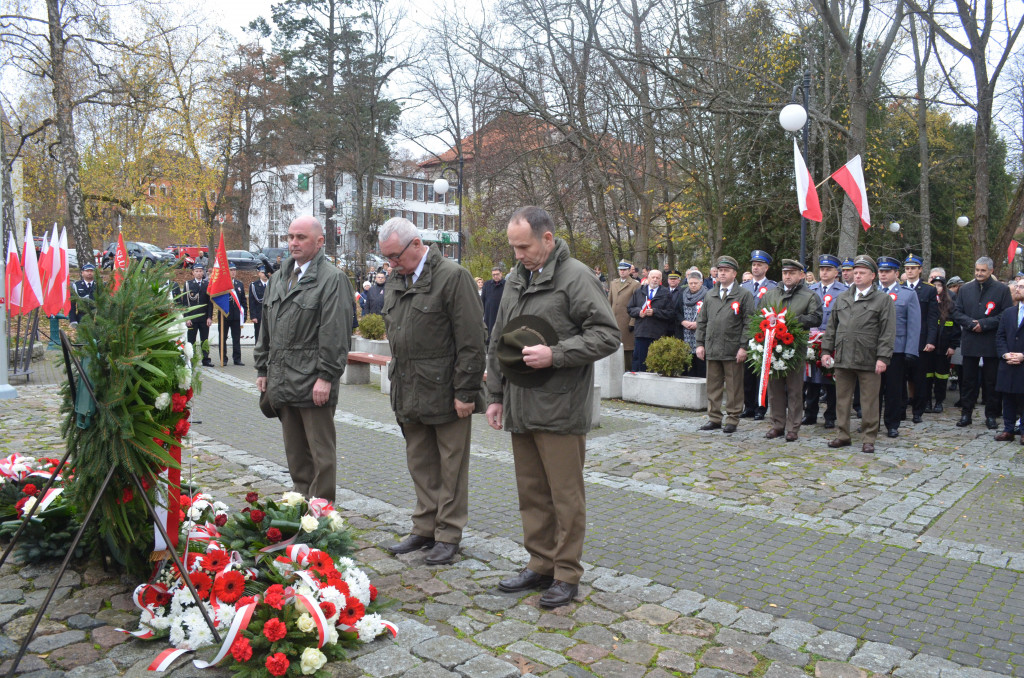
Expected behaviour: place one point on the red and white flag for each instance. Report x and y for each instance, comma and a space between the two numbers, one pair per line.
120, 262
45, 262
1011, 251
65, 305
851, 177
55, 281
806, 193
31, 287
12, 277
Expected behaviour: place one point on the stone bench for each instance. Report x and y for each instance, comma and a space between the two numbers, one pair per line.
686, 393
358, 369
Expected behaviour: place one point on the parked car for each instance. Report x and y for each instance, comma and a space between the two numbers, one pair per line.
269, 255
140, 251
186, 254
244, 261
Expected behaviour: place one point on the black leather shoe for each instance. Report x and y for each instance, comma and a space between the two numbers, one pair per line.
965, 420
917, 419
759, 416
860, 415
559, 595
413, 542
207, 363
829, 423
746, 413
937, 409
807, 421
729, 428
991, 423
710, 426
240, 363
893, 433
442, 553
524, 581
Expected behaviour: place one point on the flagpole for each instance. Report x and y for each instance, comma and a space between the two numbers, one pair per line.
7, 391
220, 325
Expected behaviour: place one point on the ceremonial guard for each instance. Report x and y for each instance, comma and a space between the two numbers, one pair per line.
620, 291
828, 289
257, 290
653, 317
199, 315
919, 369
848, 271
674, 279
786, 395
84, 289
722, 335
234, 319
904, 350
858, 344
758, 286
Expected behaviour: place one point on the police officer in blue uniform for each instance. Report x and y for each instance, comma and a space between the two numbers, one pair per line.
848, 273
827, 288
758, 286
84, 289
918, 370
892, 396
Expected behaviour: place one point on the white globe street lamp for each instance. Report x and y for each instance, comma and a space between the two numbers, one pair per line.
441, 186
894, 227
962, 221
328, 204
793, 117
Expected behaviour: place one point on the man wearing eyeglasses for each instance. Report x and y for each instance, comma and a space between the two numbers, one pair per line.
436, 331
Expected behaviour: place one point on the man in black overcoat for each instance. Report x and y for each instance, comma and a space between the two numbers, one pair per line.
1010, 375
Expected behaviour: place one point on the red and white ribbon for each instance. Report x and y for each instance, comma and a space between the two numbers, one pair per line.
166, 658
238, 624
318, 617
48, 498
828, 300
766, 361
735, 307
989, 307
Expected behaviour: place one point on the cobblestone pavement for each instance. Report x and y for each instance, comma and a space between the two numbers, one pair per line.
756, 557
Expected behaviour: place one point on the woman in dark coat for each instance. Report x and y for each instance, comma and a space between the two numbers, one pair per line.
688, 303
1010, 372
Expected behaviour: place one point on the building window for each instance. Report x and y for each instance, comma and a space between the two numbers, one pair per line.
152, 190
376, 187
419, 192
430, 193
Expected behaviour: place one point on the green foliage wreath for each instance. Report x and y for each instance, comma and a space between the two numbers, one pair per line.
132, 347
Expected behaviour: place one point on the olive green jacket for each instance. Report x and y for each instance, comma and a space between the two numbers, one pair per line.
305, 333
568, 295
437, 335
722, 323
800, 303
859, 333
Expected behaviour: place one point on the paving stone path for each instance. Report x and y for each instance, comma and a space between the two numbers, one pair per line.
709, 555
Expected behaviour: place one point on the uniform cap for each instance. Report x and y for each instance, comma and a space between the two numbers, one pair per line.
89, 267
864, 261
912, 260
762, 256
889, 263
232, 265
792, 264
848, 262
624, 265
728, 262
675, 274
829, 260
955, 280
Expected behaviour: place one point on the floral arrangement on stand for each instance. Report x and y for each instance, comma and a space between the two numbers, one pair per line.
814, 355
778, 345
275, 579
133, 349
54, 522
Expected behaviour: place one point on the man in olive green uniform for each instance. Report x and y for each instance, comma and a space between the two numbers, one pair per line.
549, 419
620, 291
301, 354
786, 395
437, 337
859, 343
722, 337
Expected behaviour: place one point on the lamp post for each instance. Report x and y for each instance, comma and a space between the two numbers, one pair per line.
961, 221
442, 186
793, 117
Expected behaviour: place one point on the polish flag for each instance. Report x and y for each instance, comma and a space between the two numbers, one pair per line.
12, 278
31, 287
45, 262
851, 177
56, 282
806, 193
1011, 251
65, 305
120, 261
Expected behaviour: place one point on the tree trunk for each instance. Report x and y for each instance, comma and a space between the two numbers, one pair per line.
982, 135
7, 224
923, 153
64, 117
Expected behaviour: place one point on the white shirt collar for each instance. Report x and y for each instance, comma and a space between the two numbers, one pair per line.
302, 270
419, 267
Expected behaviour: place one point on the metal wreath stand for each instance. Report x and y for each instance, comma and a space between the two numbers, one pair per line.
69, 360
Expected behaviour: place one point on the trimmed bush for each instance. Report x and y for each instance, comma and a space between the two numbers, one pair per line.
669, 357
371, 327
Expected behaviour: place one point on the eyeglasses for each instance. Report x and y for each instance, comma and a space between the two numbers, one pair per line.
398, 256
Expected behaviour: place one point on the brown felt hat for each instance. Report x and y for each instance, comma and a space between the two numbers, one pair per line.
518, 333
268, 410
728, 262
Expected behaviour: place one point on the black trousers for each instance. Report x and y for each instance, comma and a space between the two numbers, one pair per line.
938, 377
750, 391
893, 392
1013, 409
975, 376
698, 368
640, 348
234, 326
199, 326
812, 394
917, 374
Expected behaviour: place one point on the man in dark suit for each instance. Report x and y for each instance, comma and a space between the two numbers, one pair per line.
757, 286
1010, 375
199, 313
651, 307
257, 290
491, 298
84, 289
979, 304
234, 319
918, 370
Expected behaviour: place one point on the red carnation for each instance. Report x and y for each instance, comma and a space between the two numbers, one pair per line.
221, 520
328, 608
373, 593
243, 601
30, 489
277, 664
215, 561
126, 495
229, 586
786, 339
181, 428
178, 402
274, 596
21, 504
352, 613
241, 650
759, 337
188, 394
257, 516
203, 584
275, 630
274, 535
252, 497
185, 500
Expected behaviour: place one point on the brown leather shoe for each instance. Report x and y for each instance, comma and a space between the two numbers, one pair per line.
773, 433
867, 448
791, 437
524, 581
560, 593
414, 542
442, 553
1004, 436
836, 442
710, 426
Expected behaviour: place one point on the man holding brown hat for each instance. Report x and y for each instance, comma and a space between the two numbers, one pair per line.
553, 324
722, 336
858, 343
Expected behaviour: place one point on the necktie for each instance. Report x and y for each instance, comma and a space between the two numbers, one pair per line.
294, 278
721, 294
1020, 315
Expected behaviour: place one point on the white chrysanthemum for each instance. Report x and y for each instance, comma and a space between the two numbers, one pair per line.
188, 350
344, 562
292, 498
201, 504
163, 401
778, 348
778, 365
177, 634
181, 598
305, 623
184, 376
810, 353
788, 354
332, 595
220, 507
358, 584
752, 344
337, 522
311, 661
304, 590
200, 637
160, 620
369, 627
309, 523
